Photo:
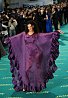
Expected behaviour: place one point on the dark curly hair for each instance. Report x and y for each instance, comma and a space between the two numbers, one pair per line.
36, 29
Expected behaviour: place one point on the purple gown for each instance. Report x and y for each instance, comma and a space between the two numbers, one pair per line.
32, 59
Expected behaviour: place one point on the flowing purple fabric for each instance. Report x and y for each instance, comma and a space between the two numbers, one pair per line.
32, 59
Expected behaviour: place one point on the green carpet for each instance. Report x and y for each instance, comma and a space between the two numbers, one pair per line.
56, 88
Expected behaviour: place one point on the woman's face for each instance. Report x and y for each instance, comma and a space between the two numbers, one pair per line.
30, 27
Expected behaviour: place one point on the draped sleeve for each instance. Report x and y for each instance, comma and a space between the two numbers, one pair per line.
16, 57
49, 44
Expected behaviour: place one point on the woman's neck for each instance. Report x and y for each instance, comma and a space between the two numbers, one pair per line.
30, 32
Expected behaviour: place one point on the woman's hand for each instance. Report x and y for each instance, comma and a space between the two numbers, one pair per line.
60, 31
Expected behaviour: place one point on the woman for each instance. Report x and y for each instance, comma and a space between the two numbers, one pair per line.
48, 21
32, 57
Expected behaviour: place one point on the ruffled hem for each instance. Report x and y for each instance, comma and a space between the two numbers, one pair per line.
54, 53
